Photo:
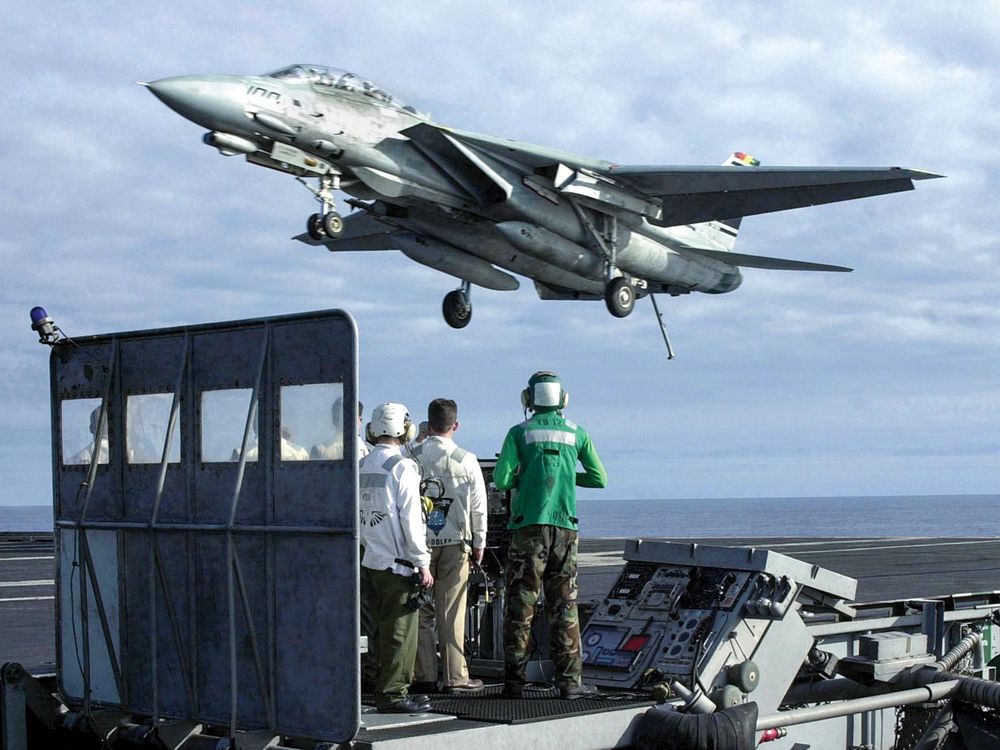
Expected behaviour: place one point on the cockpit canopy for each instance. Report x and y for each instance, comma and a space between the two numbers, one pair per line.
337, 80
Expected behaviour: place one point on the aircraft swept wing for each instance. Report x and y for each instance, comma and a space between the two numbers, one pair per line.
690, 195
672, 195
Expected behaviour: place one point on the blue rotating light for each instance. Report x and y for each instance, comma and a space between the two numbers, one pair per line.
38, 314
48, 332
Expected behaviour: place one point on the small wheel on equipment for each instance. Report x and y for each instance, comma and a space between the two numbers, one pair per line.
619, 296
333, 224
457, 309
314, 227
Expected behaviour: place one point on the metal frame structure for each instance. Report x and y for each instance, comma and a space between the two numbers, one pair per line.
221, 592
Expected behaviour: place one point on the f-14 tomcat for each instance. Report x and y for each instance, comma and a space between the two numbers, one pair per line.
483, 208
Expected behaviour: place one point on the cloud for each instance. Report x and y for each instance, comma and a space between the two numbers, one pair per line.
116, 217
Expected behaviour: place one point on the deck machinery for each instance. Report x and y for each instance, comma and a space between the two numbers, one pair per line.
712, 623
208, 585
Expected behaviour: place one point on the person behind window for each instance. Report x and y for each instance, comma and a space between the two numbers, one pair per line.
332, 449
289, 450
85, 455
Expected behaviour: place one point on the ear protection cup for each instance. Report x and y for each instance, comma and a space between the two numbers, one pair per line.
540, 377
368, 433
409, 430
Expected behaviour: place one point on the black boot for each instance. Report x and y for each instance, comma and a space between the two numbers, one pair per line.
406, 706
575, 692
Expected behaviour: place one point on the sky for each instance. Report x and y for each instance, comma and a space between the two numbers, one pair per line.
114, 216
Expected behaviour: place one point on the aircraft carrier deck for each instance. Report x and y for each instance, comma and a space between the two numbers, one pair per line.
887, 568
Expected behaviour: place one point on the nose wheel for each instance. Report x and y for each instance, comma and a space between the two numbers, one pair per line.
325, 226
619, 296
457, 307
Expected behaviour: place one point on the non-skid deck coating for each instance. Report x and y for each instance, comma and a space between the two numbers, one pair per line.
887, 568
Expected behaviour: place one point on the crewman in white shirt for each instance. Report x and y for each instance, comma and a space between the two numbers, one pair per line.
456, 536
393, 536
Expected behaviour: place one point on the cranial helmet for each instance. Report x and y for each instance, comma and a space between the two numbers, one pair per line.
544, 391
392, 420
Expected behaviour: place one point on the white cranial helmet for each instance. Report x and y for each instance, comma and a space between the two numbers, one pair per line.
392, 420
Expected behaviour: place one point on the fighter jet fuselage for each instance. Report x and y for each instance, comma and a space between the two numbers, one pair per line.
483, 208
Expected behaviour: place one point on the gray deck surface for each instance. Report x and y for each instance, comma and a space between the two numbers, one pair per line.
886, 569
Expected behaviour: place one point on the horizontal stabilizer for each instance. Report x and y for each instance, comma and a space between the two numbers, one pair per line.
762, 261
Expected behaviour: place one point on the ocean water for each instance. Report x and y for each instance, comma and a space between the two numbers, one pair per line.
938, 515
25, 518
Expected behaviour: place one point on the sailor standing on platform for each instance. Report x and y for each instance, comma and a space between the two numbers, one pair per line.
538, 459
456, 535
395, 555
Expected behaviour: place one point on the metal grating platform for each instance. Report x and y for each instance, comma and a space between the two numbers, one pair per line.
537, 705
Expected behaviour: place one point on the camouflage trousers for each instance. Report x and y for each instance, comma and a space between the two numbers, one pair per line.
542, 558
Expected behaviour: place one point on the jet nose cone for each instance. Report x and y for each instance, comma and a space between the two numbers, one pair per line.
214, 102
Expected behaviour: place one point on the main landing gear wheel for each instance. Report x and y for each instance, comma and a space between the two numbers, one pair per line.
457, 308
619, 296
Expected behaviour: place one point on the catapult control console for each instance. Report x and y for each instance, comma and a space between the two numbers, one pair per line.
705, 618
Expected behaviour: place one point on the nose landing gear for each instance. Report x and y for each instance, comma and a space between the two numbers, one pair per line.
327, 224
457, 306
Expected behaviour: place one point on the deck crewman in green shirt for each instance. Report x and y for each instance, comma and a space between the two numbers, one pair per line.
539, 461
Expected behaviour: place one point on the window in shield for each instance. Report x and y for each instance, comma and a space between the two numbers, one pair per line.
80, 418
146, 419
223, 420
312, 422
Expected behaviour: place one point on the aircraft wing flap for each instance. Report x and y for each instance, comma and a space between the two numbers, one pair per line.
762, 261
691, 195
668, 181
693, 208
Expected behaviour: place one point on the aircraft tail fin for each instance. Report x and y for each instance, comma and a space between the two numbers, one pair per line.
728, 229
